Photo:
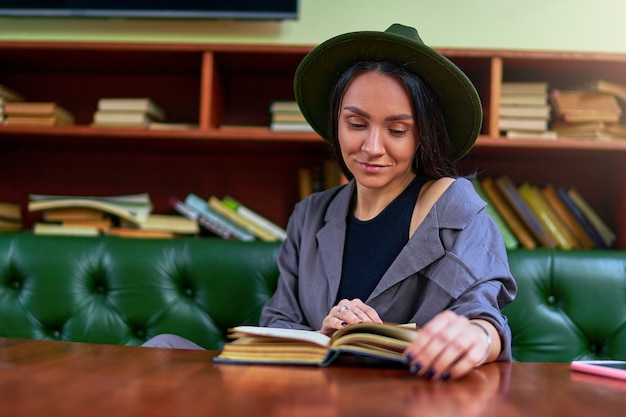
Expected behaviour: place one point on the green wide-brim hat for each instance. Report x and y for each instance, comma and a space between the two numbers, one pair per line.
319, 70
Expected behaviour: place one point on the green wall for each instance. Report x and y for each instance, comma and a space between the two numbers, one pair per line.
567, 25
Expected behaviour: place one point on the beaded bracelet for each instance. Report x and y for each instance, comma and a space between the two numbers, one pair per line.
488, 351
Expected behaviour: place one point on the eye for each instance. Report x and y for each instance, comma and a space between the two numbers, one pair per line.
398, 132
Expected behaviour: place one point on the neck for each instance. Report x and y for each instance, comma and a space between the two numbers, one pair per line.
369, 202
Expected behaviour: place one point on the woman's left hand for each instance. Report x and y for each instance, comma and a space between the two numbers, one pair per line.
450, 346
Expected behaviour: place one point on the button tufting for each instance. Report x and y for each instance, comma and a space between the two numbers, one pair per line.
551, 300
188, 291
16, 285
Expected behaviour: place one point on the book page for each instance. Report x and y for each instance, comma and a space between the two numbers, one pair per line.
291, 334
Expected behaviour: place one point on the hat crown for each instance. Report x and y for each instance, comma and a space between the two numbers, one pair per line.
405, 31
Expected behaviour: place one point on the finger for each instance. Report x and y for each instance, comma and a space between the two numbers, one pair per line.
431, 343
365, 312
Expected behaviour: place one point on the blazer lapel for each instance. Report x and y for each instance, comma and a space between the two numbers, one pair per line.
331, 237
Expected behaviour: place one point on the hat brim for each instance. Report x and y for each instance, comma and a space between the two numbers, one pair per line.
320, 69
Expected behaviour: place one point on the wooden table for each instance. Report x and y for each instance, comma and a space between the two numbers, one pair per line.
43, 378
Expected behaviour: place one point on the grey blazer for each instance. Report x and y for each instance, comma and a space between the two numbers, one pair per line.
455, 260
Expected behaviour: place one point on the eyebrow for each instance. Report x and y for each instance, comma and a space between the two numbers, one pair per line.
360, 112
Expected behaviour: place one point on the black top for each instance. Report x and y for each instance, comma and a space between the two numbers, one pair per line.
372, 245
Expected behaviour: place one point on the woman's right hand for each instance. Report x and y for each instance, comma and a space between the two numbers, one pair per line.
348, 312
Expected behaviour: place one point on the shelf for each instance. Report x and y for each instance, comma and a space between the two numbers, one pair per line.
226, 90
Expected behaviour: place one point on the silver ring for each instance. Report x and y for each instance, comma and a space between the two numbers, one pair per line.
345, 307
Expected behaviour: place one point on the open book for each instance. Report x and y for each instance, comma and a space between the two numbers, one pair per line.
358, 344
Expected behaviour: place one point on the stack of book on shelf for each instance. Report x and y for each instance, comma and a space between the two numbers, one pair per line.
228, 218
590, 111
531, 216
10, 217
286, 116
524, 110
8, 95
127, 112
31, 113
319, 177
88, 215
158, 226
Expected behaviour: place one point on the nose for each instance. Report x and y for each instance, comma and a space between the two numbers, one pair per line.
373, 143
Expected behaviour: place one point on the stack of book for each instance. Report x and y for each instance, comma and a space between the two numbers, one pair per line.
8, 95
228, 218
589, 111
127, 112
27, 113
10, 217
286, 116
524, 110
530, 216
88, 215
312, 179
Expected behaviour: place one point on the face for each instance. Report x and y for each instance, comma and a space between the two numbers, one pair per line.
377, 132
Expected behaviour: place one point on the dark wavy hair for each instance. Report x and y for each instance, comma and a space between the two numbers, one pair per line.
433, 158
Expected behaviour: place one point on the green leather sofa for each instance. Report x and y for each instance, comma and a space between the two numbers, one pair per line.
123, 291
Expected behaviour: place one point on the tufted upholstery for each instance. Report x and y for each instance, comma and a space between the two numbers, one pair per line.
569, 305
123, 291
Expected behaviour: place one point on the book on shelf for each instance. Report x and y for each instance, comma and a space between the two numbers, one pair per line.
503, 207
291, 127
202, 206
36, 121
10, 225
143, 105
585, 106
536, 228
605, 232
288, 117
546, 216
73, 213
36, 113
521, 99
581, 218
128, 232
524, 87
10, 211
104, 225
174, 224
284, 106
524, 112
510, 241
10, 217
172, 126
518, 123
132, 207
196, 208
223, 209
605, 86
120, 118
8, 94
357, 344
528, 134
63, 230
245, 212
579, 233
212, 225
590, 130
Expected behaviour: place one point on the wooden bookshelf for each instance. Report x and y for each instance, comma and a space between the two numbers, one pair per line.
226, 90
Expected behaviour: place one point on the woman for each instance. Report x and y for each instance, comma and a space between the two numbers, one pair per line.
407, 240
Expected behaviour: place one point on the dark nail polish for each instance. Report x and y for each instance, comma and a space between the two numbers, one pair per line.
415, 368
344, 324
445, 376
408, 358
429, 374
